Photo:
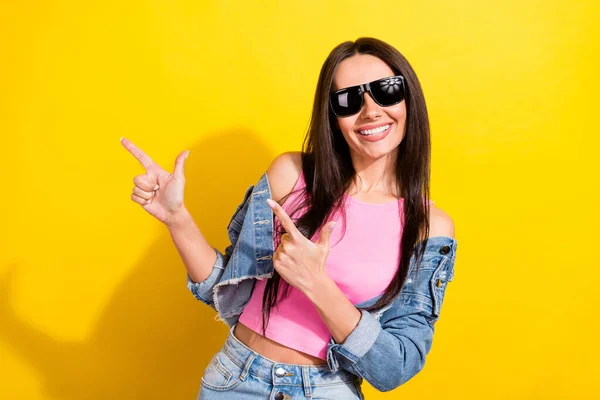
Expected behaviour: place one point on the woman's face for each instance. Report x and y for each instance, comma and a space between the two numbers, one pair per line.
356, 70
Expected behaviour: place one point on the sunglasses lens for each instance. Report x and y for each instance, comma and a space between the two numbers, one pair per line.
388, 91
346, 102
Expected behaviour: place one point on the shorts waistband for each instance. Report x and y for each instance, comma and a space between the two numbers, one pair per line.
281, 373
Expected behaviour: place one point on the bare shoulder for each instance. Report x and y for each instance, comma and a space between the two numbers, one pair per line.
440, 223
283, 173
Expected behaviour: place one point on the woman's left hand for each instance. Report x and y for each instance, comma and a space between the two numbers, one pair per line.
297, 259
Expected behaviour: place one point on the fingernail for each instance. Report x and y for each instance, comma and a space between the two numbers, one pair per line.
332, 225
271, 203
148, 201
121, 139
155, 187
187, 154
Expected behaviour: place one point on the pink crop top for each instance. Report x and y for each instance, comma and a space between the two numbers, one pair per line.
362, 263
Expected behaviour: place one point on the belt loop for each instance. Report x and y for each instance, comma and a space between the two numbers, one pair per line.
247, 366
306, 381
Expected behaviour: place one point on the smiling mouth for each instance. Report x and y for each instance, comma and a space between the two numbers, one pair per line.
376, 131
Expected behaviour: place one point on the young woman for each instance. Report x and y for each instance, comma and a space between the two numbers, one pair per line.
341, 276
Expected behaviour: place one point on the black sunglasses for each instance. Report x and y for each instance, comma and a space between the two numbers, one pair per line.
385, 92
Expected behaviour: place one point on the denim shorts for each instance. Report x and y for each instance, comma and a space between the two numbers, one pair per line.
238, 372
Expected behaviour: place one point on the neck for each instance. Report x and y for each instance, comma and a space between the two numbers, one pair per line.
375, 175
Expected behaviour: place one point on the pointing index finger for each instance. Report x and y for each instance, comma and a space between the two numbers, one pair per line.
142, 157
284, 219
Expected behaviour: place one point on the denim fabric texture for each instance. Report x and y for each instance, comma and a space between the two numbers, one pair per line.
387, 347
238, 372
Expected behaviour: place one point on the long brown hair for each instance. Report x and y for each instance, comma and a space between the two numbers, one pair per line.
328, 169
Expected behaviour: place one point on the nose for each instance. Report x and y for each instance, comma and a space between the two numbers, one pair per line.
370, 109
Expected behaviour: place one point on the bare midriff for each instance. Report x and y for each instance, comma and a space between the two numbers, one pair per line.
273, 350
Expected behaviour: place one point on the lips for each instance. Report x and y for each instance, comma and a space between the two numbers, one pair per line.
376, 137
376, 131
372, 126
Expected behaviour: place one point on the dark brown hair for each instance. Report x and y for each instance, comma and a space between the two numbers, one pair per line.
328, 169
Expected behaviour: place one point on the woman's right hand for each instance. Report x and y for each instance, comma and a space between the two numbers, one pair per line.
157, 191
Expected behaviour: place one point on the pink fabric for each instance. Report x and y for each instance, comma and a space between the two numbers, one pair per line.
362, 263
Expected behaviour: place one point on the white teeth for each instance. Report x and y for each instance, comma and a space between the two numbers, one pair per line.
374, 131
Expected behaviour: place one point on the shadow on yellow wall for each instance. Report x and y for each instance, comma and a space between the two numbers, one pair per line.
152, 327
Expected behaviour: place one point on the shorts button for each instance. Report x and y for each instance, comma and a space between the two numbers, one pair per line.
279, 396
445, 250
280, 372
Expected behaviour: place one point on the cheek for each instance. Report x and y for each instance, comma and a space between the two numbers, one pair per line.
397, 112
346, 124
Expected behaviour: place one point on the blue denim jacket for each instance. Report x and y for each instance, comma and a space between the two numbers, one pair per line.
387, 347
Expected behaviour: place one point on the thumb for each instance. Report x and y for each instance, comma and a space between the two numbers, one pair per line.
326, 234
179, 163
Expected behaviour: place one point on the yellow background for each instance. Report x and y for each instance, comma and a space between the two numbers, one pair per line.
93, 302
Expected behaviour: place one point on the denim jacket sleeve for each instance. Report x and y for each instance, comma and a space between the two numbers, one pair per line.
203, 291
388, 347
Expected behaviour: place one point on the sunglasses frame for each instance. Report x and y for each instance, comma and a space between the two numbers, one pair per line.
366, 87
